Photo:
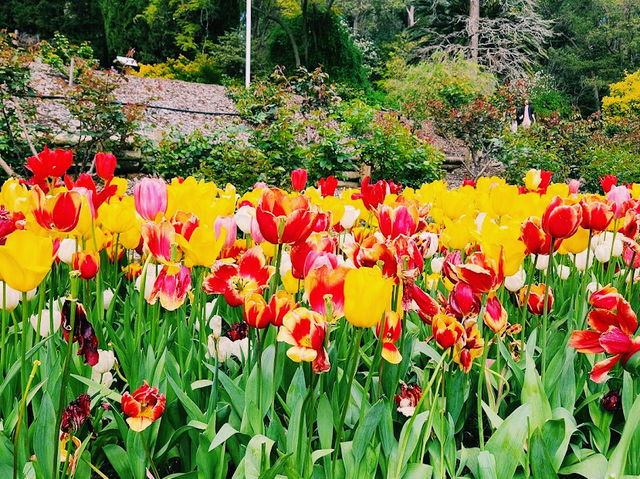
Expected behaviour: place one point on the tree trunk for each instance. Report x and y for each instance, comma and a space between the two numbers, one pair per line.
473, 27
411, 16
292, 39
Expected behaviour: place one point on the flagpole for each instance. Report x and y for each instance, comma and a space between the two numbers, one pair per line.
247, 67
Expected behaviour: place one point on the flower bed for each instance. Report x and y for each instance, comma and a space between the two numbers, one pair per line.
189, 330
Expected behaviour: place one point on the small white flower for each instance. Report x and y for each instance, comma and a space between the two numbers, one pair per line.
436, 264
12, 299
106, 360
67, 247
541, 261
592, 287
107, 297
563, 271
149, 279
580, 260
405, 408
351, 214
515, 282
46, 318
244, 217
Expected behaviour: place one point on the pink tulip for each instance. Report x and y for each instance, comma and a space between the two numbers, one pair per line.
619, 195
231, 229
150, 196
574, 186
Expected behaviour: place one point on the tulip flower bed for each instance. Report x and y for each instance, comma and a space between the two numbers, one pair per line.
187, 330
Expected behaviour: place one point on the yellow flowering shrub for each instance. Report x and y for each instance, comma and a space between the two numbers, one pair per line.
624, 98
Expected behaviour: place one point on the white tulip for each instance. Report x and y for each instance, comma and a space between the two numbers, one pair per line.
563, 271
430, 239
515, 282
285, 263
436, 264
592, 287
107, 297
603, 252
152, 272
31, 294
106, 360
67, 247
351, 214
12, 299
580, 260
541, 261
244, 217
46, 318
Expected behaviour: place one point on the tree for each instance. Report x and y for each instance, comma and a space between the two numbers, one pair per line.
506, 36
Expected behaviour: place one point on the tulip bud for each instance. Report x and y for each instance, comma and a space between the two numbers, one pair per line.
105, 165
515, 282
349, 217
612, 401
299, 179
436, 264
66, 250
150, 195
447, 330
106, 360
574, 186
12, 298
107, 297
563, 271
561, 218
86, 263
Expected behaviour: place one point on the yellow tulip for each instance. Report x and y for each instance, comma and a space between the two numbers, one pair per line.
25, 259
203, 247
118, 216
367, 295
15, 197
130, 239
576, 243
121, 185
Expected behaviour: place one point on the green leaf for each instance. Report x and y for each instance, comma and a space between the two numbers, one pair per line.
541, 467
118, 459
225, 432
418, 471
618, 459
507, 443
534, 395
104, 391
364, 432
250, 465
43, 433
487, 466
319, 454
192, 409
592, 467
325, 422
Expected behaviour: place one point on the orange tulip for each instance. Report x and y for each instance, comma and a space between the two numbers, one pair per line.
447, 330
143, 407
535, 305
495, 316
60, 212
284, 219
305, 331
596, 213
86, 263
391, 333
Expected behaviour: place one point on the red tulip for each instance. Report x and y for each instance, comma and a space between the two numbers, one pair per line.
607, 182
427, 307
463, 302
316, 243
326, 285
184, 223
75, 414
105, 165
328, 186
596, 213
159, 238
305, 331
299, 179
397, 220
562, 218
495, 316
235, 282
143, 407
535, 304
259, 314
479, 273
85, 185
86, 263
60, 212
447, 330
535, 239
468, 182
391, 333
150, 196
284, 219
9, 222
50, 164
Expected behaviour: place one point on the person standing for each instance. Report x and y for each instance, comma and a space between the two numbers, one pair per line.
526, 115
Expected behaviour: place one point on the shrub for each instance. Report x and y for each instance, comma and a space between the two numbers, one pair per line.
203, 69
624, 98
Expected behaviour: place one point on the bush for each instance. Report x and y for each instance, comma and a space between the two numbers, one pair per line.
623, 99
451, 81
222, 156
203, 69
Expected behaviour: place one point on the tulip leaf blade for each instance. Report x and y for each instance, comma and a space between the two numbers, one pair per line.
365, 431
190, 407
225, 432
541, 466
43, 432
486, 466
618, 460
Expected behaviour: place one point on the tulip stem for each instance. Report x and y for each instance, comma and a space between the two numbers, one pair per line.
16, 438
259, 351
65, 373
3, 346
525, 304
579, 319
545, 317
148, 454
276, 274
23, 345
479, 396
353, 366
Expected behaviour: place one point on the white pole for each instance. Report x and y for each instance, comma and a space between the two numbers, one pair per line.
247, 68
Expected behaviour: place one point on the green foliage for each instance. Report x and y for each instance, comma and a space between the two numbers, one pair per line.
224, 156
59, 51
451, 81
203, 69
585, 149
329, 45
547, 99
